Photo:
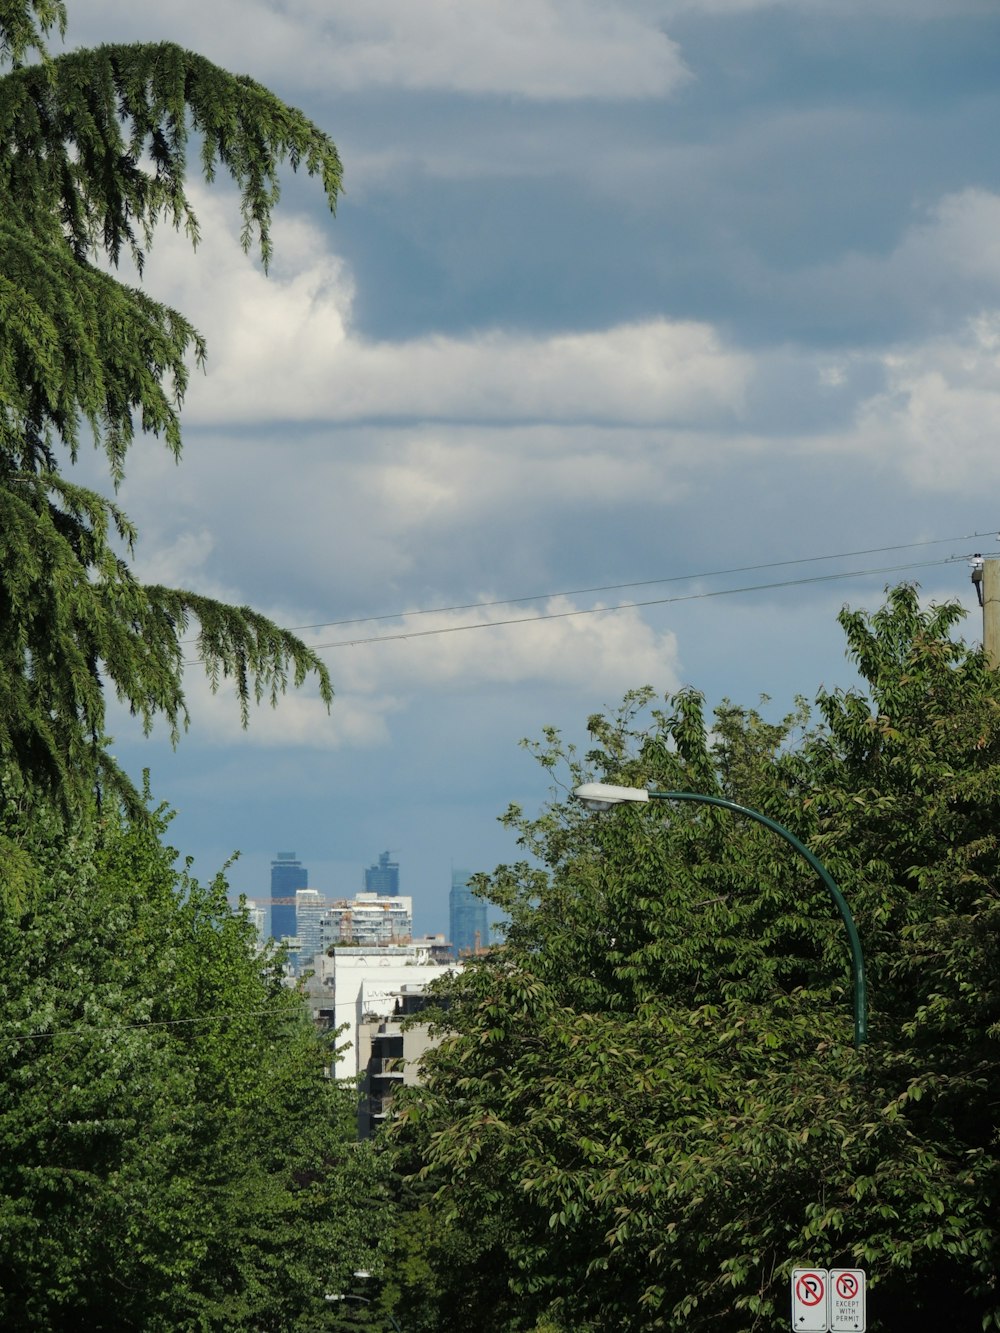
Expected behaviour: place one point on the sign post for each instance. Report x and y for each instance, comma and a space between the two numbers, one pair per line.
810, 1313
847, 1300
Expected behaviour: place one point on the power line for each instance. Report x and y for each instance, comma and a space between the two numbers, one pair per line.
626, 606
616, 587
80, 1030
640, 583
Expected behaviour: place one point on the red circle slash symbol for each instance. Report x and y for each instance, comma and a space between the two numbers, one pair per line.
809, 1289
847, 1286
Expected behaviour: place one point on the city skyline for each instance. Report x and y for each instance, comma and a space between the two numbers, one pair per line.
289, 880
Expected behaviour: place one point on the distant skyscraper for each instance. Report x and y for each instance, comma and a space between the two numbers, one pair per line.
383, 879
467, 913
309, 909
287, 876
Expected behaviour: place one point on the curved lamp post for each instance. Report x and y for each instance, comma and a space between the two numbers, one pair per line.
363, 1300
601, 796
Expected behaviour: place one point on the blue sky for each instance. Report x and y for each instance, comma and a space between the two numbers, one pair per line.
616, 293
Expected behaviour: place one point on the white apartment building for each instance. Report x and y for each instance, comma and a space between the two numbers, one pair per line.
353, 985
367, 920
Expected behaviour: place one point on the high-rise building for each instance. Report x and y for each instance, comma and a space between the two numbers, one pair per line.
383, 879
287, 876
309, 909
258, 918
467, 916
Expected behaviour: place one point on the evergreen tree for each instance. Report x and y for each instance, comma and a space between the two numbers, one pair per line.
93, 156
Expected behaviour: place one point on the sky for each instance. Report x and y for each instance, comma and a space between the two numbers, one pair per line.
618, 297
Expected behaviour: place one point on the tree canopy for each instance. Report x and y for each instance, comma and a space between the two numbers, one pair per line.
93, 157
173, 1155
648, 1107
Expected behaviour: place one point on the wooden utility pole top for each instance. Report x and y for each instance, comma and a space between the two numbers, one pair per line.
991, 612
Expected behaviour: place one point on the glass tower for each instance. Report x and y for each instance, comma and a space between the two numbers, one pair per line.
383, 879
287, 876
467, 916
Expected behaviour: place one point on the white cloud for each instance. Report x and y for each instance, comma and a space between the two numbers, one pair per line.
281, 348
657, 371
381, 502
946, 263
560, 642
539, 49
909, 9
939, 420
357, 720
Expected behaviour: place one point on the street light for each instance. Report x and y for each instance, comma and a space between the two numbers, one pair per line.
601, 796
363, 1300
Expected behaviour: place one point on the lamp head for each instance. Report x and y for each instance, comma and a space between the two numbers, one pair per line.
602, 796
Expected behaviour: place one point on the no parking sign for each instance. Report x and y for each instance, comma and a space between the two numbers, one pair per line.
847, 1300
828, 1302
809, 1291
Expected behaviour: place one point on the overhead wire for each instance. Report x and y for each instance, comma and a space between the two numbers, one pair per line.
619, 587
641, 583
624, 606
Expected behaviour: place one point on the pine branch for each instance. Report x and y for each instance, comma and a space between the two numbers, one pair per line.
23, 24
93, 156
75, 621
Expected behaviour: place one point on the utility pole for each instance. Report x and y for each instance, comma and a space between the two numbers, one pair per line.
991, 611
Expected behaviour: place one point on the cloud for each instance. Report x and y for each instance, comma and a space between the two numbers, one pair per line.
281, 348
938, 421
908, 9
357, 720
656, 371
410, 468
548, 50
946, 262
411, 473
562, 642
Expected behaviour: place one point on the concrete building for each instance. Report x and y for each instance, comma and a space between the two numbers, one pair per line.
354, 986
390, 1056
288, 875
470, 929
438, 947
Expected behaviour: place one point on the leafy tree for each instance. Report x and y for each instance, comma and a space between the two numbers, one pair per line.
93, 156
647, 1108
172, 1153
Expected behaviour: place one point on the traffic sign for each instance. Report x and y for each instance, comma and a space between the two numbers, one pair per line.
809, 1300
847, 1300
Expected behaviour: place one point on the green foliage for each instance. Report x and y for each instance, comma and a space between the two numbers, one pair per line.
172, 1154
93, 156
648, 1108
